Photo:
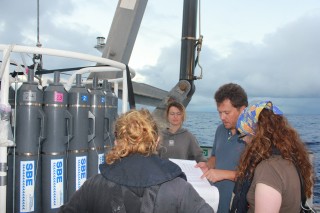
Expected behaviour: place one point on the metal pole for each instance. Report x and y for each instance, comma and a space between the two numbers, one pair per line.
3, 148
188, 40
125, 92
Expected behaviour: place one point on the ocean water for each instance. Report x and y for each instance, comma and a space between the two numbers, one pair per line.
204, 124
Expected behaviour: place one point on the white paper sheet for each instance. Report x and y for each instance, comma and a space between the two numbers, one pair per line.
208, 192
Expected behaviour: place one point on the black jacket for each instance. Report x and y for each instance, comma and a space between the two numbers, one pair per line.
137, 184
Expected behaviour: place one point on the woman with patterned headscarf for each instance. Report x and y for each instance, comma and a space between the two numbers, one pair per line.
271, 166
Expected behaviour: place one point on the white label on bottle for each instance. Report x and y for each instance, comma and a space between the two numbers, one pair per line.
27, 186
56, 183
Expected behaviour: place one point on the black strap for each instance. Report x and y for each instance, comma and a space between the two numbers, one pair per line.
117, 202
239, 202
304, 206
132, 103
149, 199
303, 195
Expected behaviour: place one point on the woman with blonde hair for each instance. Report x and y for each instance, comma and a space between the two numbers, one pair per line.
176, 141
272, 164
134, 178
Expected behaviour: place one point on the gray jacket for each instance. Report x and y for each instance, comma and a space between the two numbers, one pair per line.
180, 145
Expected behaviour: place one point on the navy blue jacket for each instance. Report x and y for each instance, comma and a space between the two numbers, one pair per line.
134, 184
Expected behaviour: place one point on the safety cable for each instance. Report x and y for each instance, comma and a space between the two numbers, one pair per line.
38, 27
199, 44
37, 58
199, 17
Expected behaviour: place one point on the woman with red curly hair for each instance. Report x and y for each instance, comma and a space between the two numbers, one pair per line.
134, 178
268, 175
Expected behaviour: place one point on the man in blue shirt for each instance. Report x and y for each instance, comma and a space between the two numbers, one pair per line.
231, 99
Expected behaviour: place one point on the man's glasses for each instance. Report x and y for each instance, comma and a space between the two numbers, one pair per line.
242, 136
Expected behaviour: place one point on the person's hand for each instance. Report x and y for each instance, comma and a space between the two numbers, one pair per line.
214, 175
203, 166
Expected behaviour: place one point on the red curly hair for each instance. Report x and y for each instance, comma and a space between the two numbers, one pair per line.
136, 132
274, 131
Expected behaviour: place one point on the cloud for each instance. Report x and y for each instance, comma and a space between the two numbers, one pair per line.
282, 64
285, 65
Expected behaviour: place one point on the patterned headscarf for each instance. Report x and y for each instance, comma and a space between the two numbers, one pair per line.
248, 118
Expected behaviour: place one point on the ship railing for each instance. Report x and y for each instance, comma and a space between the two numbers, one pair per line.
111, 65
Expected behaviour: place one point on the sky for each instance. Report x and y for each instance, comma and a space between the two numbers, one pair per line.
271, 48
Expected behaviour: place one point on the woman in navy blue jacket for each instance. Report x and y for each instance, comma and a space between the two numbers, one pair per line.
134, 179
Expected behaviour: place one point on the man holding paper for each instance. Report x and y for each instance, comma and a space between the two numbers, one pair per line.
220, 169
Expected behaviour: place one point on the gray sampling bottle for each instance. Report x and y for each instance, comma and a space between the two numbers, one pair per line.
30, 132
59, 133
